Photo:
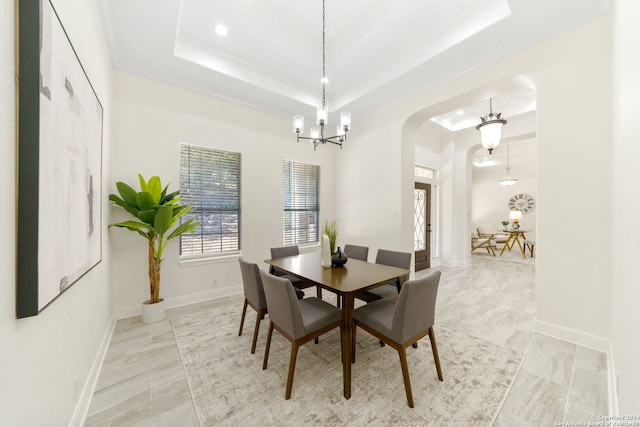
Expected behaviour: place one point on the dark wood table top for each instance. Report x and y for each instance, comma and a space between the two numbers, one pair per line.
354, 276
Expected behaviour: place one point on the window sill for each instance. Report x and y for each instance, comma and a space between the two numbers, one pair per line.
195, 260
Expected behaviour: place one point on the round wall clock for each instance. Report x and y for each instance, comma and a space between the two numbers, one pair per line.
522, 202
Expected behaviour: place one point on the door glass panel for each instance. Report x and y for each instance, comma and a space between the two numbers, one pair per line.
420, 206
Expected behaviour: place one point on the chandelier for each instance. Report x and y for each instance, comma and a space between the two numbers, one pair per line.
508, 181
491, 129
316, 133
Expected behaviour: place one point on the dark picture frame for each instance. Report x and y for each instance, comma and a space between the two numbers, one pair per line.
60, 124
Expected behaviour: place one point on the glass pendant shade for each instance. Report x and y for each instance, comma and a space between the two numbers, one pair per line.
323, 116
491, 128
490, 135
508, 181
298, 124
345, 121
314, 132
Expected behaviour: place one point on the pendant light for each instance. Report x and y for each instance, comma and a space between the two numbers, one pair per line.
316, 134
491, 128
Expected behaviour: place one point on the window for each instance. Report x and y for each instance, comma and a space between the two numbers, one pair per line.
210, 182
425, 172
301, 202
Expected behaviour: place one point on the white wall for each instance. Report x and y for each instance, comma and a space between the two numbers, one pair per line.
626, 205
574, 162
41, 356
151, 120
368, 203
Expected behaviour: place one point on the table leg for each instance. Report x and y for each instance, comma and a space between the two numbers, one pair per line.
506, 244
346, 329
521, 246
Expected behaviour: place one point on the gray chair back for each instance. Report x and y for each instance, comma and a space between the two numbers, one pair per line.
252, 283
393, 258
285, 251
282, 304
357, 252
415, 308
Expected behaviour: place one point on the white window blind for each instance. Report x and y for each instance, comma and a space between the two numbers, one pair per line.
301, 202
210, 182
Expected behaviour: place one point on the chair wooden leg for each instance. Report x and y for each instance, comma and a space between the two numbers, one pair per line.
405, 375
319, 295
244, 312
292, 368
259, 317
434, 347
267, 347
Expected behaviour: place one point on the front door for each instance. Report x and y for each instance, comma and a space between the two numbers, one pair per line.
422, 223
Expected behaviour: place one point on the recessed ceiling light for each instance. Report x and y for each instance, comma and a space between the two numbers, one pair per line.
484, 162
459, 112
324, 80
221, 30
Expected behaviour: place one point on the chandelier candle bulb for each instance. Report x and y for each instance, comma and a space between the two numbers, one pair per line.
323, 116
298, 124
345, 121
314, 133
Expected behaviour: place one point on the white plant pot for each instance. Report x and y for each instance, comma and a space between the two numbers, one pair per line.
152, 313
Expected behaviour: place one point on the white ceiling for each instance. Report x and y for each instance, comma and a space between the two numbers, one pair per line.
378, 52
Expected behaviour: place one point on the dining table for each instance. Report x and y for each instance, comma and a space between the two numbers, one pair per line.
346, 282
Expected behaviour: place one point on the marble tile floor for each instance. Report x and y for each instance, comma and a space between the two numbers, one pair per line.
142, 382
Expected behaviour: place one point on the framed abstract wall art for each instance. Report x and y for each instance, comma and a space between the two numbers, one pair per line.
59, 162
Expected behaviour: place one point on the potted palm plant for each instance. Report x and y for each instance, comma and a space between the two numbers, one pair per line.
156, 213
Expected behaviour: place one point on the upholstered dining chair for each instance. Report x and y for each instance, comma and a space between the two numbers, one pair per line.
292, 250
299, 321
388, 291
403, 322
254, 296
357, 252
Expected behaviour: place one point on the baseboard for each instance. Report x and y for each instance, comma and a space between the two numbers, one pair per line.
135, 310
571, 335
612, 374
84, 402
604, 345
